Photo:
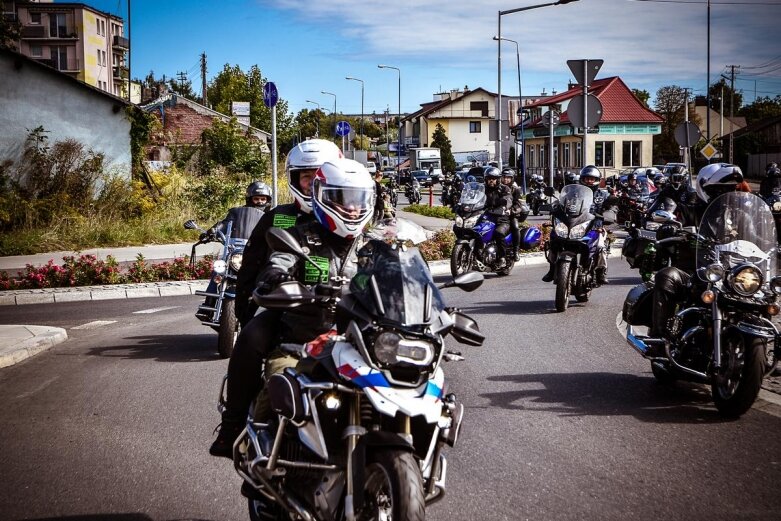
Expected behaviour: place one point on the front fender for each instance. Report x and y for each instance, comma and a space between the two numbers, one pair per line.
566, 256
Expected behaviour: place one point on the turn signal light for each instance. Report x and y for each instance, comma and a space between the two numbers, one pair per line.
708, 296
217, 279
773, 309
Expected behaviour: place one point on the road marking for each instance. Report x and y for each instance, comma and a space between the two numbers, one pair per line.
154, 310
94, 324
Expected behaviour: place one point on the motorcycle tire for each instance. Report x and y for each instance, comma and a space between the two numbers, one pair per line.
562, 285
746, 359
584, 297
507, 269
536, 208
460, 260
229, 329
393, 476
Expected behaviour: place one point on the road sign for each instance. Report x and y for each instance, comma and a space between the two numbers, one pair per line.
343, 128
709, 151
270, 94
576, 115
687, 134
585, 70
551, 118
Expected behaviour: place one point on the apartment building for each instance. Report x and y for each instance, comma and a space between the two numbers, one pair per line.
74, 38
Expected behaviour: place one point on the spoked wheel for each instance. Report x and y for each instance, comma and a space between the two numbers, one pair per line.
562, 284
743, 361
229, 328
460, 260
393, 488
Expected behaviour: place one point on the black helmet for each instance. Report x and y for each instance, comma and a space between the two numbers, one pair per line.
773, 170
590, 176
771, 165
631, 177
255, 189
677, 176
492, 173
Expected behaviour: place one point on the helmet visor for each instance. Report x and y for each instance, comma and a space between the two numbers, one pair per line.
351, 204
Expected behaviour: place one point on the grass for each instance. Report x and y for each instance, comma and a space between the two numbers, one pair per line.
442, 212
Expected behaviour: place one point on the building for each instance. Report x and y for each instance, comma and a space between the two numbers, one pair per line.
34, 95
183, 121
622, 139
720, 125
756, 145
76, 39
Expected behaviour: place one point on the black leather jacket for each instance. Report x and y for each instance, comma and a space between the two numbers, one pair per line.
768, 184
498, 200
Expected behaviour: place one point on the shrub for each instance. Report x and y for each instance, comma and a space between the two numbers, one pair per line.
443, 212
439, 246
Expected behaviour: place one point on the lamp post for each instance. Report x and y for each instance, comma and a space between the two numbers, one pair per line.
334, 112
356, 79
317, 121
499, 65
398, 151
519, 167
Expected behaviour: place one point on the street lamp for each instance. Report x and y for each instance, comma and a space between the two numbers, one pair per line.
317, 121
334, 113
499, 64
398, 152
520, 167
356, 79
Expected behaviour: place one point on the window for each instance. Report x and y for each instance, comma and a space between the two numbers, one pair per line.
103, 28
60, 57
104, 58
35, 18
630, 151
603, 153
556, 162
99, 64
474, 127
565, 158
482, 106
579, 155
57, 26
36, 51
543, 157
530, 159
97, 26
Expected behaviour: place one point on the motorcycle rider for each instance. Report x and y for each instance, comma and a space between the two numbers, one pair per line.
342, 201
632, 187
675, 190
772, 180
672, 284
302, 163
590, 177
498, 201
518, 210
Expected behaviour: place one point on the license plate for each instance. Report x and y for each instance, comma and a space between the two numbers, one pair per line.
646, 234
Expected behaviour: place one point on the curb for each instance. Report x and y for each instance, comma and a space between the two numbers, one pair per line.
117, 291
26, 341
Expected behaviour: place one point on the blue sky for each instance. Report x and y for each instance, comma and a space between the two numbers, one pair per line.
309, 46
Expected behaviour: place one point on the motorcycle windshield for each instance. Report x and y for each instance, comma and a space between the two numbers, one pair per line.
576, 200
395, 285
396, 229
738, 228
473, 194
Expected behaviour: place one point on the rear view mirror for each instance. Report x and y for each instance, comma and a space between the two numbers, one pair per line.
465, 330
549, 191
190, 225
469, 281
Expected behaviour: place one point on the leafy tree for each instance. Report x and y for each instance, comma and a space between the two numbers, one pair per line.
729, 97
310, 123
642, 95
226, 145
442, 142
184, 89
10, 33
233, 84
762, 107
669, 104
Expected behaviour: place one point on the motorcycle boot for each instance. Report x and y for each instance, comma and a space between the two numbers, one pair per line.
228, 431
601, 274
548, 277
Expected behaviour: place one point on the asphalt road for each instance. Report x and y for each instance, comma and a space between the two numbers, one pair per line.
564, 421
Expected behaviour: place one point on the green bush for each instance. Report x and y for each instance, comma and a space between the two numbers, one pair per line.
443, 212
439, 246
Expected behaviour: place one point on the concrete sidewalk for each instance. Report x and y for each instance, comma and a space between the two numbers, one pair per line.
18, 343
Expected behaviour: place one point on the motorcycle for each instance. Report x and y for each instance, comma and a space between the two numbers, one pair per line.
219, 309
361, 418
640, 248
721, 335
391, 188
536, 197
774, 202
412, 191
631, 208
576, 237
477, 246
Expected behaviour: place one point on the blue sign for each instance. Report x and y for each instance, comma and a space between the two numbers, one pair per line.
270, 94
343, 128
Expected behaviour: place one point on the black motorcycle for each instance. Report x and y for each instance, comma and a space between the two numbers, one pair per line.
362, 416
641, 249
412, 191
721, 335
774, 202
536, 197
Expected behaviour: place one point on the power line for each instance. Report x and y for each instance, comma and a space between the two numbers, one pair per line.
753, 2
767, 64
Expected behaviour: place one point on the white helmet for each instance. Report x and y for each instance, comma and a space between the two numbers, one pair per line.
716, 179
308, 155
343, 197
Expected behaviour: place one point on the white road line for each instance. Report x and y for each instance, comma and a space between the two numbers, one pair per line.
154, 310
94, 324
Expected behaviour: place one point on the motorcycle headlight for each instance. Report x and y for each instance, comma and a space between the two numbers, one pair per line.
390, 348
459, 221
777, 206
652, 226
560, 228
219, 266
775, 285
746, 280
714, 273
235, 261
579, 231
471, 222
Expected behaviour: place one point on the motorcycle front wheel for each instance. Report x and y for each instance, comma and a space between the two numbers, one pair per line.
744, 358
229, 329
460, 260
562, 284
393, 488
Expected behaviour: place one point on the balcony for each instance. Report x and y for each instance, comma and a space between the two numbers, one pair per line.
42, 32
120, 42
121, 73
9, 17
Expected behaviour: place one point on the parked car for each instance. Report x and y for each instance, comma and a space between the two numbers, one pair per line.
478, 172
420, 175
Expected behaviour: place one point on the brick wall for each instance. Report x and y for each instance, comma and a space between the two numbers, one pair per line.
184, 125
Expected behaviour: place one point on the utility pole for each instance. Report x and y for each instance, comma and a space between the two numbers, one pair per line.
129, 54
731, 106
686, 150
182, 78
203, 79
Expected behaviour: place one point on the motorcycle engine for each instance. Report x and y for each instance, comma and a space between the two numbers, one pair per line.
489, 255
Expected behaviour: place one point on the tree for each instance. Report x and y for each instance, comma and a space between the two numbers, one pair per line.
442, 142
233, 84
226, 145
642, 95
761, 108
310, 123
669, 104
729, 96
10, 33
184, 89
